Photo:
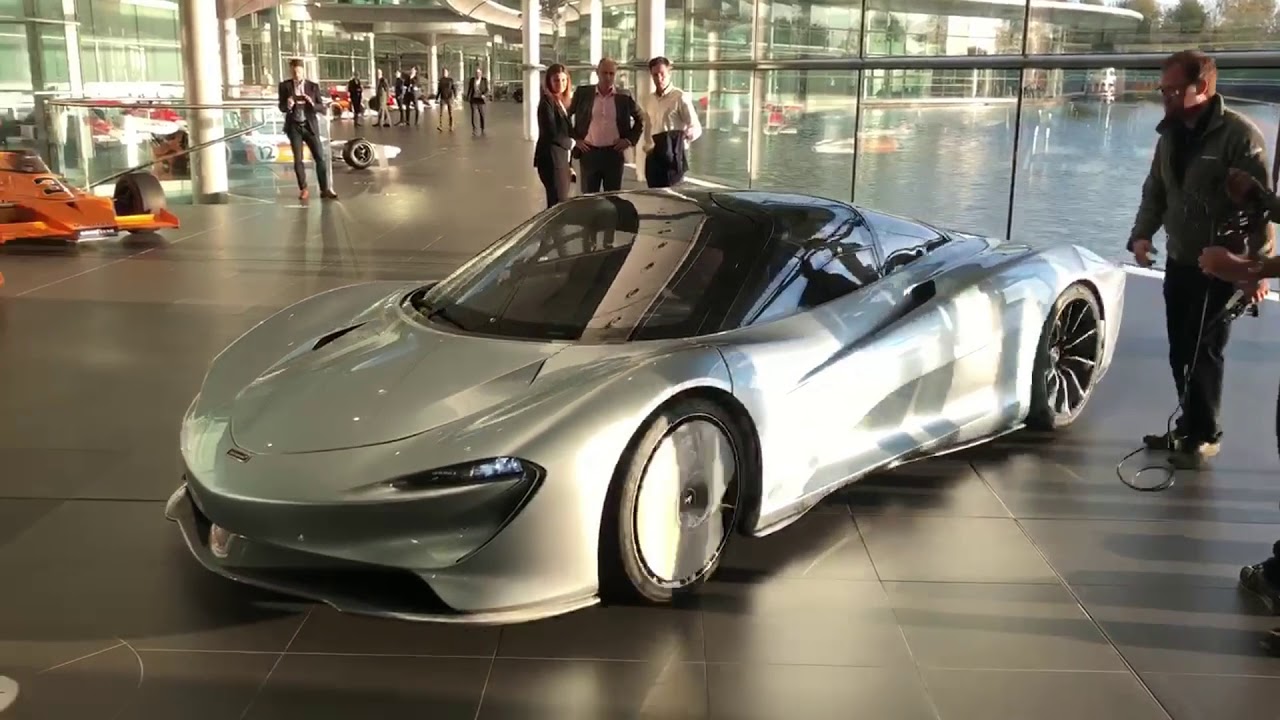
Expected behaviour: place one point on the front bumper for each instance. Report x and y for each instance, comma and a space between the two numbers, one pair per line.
345, 585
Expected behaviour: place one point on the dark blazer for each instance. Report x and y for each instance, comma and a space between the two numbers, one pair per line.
311, 90
630, 121
555, 138
446, 89
476, 91
355, 89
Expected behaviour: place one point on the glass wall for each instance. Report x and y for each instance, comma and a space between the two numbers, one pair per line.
977, 115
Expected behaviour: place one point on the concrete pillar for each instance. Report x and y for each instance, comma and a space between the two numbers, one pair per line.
651, 39
433, 60
371, 72
232, 63
202, 70
713, 79
530, 26
462, 67
595, 39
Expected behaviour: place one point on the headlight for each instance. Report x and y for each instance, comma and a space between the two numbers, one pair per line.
491, 470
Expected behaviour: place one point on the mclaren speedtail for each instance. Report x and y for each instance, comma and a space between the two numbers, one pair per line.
593, 406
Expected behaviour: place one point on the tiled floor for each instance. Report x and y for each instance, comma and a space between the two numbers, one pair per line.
1019, 580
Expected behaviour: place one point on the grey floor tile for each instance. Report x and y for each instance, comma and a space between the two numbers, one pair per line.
145, 586
942, 486
820, 545
1056, 481
950, 549
660, 635
1184, 630
1043, 695
802, 622
319, 687
329, 631
145, 686
770, 692
1216, 697
991, 626
1177, 554
594, 690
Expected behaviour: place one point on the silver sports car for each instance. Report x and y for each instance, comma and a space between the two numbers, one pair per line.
592, 406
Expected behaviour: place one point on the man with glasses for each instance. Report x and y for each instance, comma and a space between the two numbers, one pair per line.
1186, 193
606, 123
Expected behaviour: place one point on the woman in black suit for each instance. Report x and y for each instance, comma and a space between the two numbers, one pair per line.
551, 153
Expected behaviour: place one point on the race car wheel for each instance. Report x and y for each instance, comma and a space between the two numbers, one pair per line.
673, 503
1066, 365
358, 153
138, 193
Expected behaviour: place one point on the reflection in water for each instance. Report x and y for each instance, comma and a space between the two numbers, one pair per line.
1080, 166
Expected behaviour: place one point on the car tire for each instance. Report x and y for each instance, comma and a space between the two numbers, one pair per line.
673, 503
1067, 360
138, 193
358, 153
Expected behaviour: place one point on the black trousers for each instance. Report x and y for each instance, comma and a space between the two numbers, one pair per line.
555, 181
477, 108
442, 107
1186, 290
299, 136
357, 109
601, 170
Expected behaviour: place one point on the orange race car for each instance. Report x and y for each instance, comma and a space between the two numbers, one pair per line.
36, 205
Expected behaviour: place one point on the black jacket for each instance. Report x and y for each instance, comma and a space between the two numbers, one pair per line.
630, 120
555, 135
668, 157
356, 90
285, 91
446, 89
477, 89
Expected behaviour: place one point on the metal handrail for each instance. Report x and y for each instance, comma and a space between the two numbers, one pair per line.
181, 153
146, 104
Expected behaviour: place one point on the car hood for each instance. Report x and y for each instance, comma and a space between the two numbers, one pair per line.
376, 382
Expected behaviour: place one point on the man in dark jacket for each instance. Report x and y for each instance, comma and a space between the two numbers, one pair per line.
300, 102
446, 91
1185, 193
1252, 196
477, 97
606, 123
355, 93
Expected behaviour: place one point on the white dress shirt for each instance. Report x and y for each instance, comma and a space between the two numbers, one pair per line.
670, 111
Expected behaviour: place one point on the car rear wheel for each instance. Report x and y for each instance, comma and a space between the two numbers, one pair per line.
138, 193
358, 153
1066, 365
673, 504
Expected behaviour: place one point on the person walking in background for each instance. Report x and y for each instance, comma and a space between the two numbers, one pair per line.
606, 122
555, 138
382, 97
412, 94
477, 93
399, 95
355, 94
1200, 139
300, 102
670, 125
446, 91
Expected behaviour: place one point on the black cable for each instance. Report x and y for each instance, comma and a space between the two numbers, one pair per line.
1237, 227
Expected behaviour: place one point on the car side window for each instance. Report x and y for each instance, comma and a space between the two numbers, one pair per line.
832, 256
902, 241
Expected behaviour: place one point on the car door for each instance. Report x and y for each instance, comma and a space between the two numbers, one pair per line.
939, 356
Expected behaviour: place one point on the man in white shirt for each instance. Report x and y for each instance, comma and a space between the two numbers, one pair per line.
670, 125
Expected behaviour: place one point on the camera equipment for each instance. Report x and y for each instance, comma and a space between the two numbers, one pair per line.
1232, 234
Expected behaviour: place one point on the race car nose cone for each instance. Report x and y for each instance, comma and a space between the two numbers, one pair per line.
8, 692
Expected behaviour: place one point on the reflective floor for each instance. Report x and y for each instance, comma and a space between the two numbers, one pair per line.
1020, 580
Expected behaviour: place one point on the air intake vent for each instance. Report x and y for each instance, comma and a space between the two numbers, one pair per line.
334, 336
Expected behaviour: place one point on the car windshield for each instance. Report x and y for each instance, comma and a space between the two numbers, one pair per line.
603, 268
22, 161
